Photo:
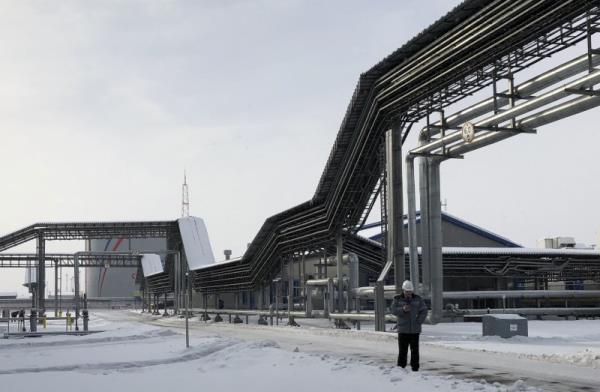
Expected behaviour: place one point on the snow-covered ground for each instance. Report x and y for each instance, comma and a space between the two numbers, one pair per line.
134, 355
565, 341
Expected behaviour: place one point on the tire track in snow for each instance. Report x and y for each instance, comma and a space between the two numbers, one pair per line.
199, 353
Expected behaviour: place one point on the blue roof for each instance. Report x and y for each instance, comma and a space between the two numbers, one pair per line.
457, 222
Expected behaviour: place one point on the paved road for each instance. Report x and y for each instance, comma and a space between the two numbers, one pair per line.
382, 348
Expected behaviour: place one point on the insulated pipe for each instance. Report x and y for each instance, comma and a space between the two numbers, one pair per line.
528, 311
425, 234
320, 282
368, 292
345, 258
538, 83
522, 294
395, 219
413, 251
535, 103
547, 116
435, 241
360, 317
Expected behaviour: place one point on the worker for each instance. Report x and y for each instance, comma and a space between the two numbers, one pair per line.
411, 311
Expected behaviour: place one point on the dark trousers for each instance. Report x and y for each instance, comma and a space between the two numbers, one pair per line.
405, 340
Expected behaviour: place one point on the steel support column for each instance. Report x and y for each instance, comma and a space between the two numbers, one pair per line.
413, 251
76, 289
340, 284
56, 288
424, 223
41, 273
290, 298
177, 282
435, 241
395, 240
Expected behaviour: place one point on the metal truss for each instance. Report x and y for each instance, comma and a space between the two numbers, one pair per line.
30, 260
85, 231
515, 59
558, 268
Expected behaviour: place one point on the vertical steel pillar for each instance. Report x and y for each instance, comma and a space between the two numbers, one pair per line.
435, 241
149, 301
188, 285
425, 232
76, 291
303, 276
340, 284
380, 304
290, 285
187, 328
60, 279
379, 307
259, 297
300, 278
176, 282
308, 301
56, 288
413, 251
41, 273
324, 272
395, 240
277, 302
329, 296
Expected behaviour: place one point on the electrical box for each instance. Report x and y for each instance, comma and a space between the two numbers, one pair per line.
504, 325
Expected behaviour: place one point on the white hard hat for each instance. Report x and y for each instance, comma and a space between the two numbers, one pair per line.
408, 286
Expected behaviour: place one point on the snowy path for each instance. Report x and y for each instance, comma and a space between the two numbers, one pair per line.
141, 353
381, 348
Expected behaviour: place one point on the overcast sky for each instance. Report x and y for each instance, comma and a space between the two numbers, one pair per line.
104, 104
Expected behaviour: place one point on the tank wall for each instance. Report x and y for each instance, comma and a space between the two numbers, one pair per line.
118, 282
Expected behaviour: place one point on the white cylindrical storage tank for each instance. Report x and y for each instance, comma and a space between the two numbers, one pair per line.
118, 281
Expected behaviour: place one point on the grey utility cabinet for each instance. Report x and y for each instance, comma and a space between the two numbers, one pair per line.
504, 325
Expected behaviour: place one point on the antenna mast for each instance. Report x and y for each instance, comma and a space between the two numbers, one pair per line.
185, 198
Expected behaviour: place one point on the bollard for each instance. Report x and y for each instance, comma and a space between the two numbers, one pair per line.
86, 319
33, 321
22, 319
69, 321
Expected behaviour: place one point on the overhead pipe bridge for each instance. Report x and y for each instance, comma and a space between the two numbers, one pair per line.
472, 47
